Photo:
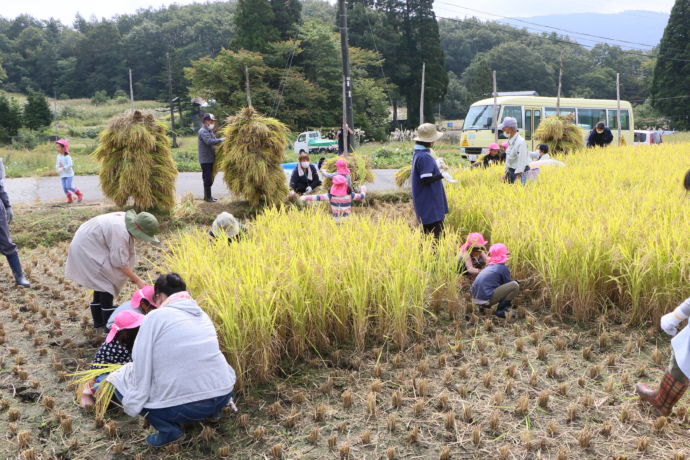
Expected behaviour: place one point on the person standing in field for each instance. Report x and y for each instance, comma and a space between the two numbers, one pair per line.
428, 194
65, 168
675, 381
207, 154
517, 153
600, 136
7, 246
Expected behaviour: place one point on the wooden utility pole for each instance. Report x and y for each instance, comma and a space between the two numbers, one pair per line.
421, 96
131, 90
560, 82
172, 108
618, 105
348, 121
246, 84
495, 112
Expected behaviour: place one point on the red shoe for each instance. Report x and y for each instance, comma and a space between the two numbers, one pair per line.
80, 196
69, 198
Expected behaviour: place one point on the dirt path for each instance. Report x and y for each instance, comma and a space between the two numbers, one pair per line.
47, 189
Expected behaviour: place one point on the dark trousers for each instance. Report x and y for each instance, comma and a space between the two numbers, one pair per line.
436, 228
207, 174
101, 308
7, 247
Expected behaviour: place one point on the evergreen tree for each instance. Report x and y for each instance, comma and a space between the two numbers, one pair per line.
288, 15
37, 114
478, 81
10, 118
255, 23
671, 71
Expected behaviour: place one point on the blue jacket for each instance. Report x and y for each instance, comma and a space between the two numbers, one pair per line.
207, 144
429, 200
488, 280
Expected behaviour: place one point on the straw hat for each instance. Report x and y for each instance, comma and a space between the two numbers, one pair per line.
427, 133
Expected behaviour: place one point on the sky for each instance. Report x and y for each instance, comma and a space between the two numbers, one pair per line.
65, 10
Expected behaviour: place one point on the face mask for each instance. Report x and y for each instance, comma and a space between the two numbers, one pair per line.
305, 164
211, 126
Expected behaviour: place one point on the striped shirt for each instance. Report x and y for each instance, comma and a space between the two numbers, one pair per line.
341, 206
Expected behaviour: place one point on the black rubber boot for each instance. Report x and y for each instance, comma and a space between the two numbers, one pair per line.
96, 315
503, 307
17, 271
207, 195
105, 314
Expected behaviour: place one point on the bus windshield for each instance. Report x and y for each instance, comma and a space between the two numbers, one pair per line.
479, 117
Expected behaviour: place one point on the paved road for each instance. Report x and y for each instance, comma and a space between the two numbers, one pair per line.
47, 189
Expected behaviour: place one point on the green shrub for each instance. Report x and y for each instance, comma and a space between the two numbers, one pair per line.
99, 98
28, 139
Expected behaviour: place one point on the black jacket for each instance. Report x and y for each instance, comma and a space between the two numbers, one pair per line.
489, 160
601, 140
300, 183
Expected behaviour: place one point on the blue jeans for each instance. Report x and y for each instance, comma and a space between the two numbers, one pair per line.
167, 421
67, 184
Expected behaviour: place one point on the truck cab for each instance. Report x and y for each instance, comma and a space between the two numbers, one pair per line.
312, 142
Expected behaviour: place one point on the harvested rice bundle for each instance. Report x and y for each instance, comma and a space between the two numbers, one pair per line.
137, 163
251, 157
402, 176
360, 169
561, 134
105, 391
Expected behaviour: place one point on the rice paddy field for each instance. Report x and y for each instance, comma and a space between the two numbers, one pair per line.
359, 341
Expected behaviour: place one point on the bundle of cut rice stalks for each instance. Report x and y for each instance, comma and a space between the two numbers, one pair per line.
561, 134
359, 166
106, 390
251, 157
402, 176
137, 162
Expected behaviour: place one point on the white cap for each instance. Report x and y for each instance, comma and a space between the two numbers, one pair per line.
508, 122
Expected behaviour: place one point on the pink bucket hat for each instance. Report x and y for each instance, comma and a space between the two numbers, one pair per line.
63, 143
144, 293
474, 240
341, 166
127, 319
494, 146
339, 187
498, 254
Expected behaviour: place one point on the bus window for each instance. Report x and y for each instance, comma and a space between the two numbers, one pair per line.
514, 111
588, 118
551, 111
528, 124
480, 117
625, 119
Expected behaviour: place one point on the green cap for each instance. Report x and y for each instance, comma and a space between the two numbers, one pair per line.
142, 226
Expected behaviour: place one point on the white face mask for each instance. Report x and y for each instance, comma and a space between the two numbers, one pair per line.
305, 164
211, 126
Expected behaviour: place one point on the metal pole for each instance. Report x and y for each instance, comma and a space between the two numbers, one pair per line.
348, 121
246, 82
131, 90
618, 105
421, 95
495, 113
560, 80
172, 108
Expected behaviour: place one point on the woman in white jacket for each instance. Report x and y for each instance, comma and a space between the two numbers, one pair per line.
675, 380
178, 373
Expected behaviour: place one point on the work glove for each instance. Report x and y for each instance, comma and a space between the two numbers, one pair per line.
309, 189
222, 139
10, 215
669, 323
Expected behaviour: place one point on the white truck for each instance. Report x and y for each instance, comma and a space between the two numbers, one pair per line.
312, 142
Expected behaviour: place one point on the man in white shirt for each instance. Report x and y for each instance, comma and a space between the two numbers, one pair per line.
517, 153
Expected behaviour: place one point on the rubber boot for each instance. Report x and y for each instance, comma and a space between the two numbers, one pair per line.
69, 197
80, 196
17, 271
207, 195
503, 307
106, 313
669, 393
96, 315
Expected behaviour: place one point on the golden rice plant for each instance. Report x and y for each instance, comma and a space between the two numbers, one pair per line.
106, 390
137, 162
402, 176
359, 166
251, 157
561, 134
298, 281
604, 231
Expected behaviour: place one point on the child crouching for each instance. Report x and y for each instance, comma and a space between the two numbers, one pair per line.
339, 197
493, 284
117, 349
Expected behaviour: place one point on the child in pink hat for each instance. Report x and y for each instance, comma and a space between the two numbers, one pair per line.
341, 169
117, 349
340, 197
493, 285
141, 302
473, 256
65, 169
